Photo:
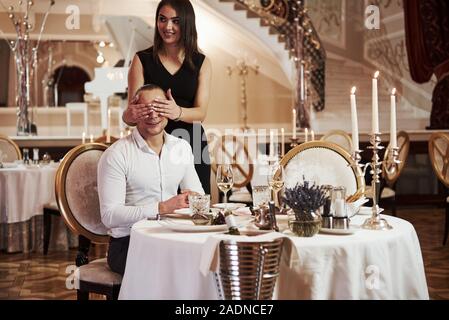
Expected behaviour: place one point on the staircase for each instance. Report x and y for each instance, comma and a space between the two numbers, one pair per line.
341, 76
288, 31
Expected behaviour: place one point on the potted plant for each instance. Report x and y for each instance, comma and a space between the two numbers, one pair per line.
305, 199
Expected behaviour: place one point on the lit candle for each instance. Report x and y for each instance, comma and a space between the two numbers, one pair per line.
312, 135
393, 138
282, 142
128, 132
91, 138
355, 124
294, 123
306, 134
121, 134
375, 115
83, 140
108, 132
340, 208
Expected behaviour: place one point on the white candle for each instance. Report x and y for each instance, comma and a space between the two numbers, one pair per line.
294, 123
271, 144
83, 140
375, 119
121, 134
312, 135
393, 137
108, 132
302, 82
91, 138
306, 135
340, 208
355, 124
282, 142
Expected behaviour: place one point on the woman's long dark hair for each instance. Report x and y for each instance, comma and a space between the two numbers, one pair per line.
189, 37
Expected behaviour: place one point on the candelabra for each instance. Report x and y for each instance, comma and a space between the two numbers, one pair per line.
243, 69
390, 163
24, 56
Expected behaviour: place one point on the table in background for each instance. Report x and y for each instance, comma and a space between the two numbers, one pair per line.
24, 190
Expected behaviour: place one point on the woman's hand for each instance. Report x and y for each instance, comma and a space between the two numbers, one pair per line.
135, 112
167, 108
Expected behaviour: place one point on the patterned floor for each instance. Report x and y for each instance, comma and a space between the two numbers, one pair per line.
34, 276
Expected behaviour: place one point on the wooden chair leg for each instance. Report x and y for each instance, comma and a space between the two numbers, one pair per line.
446, 225
393, 206
82, 295
47, 230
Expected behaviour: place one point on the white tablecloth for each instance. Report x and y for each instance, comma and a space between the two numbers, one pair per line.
366, 265
24, 192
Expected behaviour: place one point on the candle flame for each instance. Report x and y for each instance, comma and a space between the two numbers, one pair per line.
393, 92
376, 75
353, 90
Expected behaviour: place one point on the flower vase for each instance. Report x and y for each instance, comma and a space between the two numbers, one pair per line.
22, 91
307, 226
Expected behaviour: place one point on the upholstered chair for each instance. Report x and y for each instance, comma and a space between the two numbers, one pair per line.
78, 202
9, 150
439, 157
233, 149
339, 137
389, 176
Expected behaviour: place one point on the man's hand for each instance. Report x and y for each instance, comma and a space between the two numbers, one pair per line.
177, 202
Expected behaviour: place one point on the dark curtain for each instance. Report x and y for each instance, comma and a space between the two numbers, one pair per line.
427, 38
4, 73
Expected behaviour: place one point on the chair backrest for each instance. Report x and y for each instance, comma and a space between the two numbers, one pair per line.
339, 137
249, 270
391, 176
9, 150
439, 156
324, 163
230, 149
76, 192
103, 139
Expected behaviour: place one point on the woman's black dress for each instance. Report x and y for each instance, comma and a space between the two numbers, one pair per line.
183, 85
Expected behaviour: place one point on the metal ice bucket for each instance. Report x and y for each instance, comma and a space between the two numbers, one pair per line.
248, 270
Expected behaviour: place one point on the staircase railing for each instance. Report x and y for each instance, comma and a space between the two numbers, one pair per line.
289, 19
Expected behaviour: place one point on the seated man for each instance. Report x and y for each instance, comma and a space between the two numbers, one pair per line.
139, 177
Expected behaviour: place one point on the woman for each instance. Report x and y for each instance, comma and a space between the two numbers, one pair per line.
175, 64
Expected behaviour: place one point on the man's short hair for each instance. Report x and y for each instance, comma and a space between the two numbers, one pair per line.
148, 87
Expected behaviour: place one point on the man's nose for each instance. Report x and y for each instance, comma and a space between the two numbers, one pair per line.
153, 114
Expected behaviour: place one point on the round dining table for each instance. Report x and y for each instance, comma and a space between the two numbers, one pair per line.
24, 190
367, 264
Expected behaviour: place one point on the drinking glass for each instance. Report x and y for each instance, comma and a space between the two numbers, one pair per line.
35, 155
339, 202
199, 204
26, 156
275, 178
261, 196
225, 180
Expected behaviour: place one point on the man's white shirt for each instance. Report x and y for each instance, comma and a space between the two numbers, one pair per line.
133, 179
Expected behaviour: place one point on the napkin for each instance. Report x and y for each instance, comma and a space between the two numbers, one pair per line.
242, 211
210, 257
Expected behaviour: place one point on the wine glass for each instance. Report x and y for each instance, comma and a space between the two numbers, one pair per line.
275, 178
225, 180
